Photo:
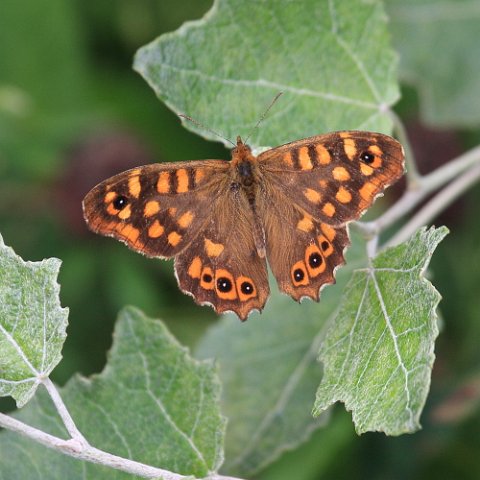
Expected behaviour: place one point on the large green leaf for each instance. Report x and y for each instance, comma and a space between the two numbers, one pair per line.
438, 45
378, 352
331, 59
32, 323
153, 403
269, 374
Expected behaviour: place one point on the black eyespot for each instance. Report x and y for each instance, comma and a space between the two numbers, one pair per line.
315, 260
207, 278
298, 275
120, 202
325, 245
224, 284
367, 157
246, 288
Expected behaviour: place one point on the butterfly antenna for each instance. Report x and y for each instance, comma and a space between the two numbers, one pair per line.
198, 124
262, 118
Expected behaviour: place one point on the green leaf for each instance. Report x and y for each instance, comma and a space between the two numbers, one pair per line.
32, 323
269, 374
438, 45
378, 352
332, 60
153, 403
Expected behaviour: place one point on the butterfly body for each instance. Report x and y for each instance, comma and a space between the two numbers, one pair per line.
223, 220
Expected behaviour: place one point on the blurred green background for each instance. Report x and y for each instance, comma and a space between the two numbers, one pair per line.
73, 112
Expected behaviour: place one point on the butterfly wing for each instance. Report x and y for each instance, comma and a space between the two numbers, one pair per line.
302, 252
222, 266
187, 210
157, 209
313, 188
337, 176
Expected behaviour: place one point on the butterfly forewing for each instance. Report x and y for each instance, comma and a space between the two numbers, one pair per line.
334, 177
157, 209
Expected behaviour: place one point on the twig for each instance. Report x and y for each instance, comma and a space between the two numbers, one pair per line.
63, 412
82, 451
437, 204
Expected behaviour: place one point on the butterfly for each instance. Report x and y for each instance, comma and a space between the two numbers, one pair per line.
222, 221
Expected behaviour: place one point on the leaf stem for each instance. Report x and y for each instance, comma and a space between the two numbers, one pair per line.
63, 412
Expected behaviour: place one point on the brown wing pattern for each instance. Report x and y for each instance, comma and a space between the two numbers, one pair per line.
302, 252
334, 177
222, 266
157, 209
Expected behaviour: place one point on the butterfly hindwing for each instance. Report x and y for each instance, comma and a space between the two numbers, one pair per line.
157, 209
222, 266
334, 177
304, 257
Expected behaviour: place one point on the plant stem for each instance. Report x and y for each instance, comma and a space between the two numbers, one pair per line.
63, 412
82, 451
437, 204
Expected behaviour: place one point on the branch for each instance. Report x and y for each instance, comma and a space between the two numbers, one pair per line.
438, 203
82, 451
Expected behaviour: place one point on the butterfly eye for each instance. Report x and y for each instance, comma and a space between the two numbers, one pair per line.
120, 202
367, 157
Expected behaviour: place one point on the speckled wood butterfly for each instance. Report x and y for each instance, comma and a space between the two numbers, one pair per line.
222, 220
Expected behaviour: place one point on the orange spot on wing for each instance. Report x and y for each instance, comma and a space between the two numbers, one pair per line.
304, 159
134, 186
324, 157
128, 232
329, 209
199, 174
367, 170
312, 195
367, 192
163, 184
125, 213
343, 195
174, 238
110, 196
155, 230
305, 224
341, 174
195, 268
186, 219
213, 249
287, 158
350, 148
151, 208
329, 231
182, 181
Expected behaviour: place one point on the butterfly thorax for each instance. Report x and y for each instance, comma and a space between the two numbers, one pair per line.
245, 170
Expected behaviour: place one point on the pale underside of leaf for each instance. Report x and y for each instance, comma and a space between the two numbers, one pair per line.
378, 353
32, 323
